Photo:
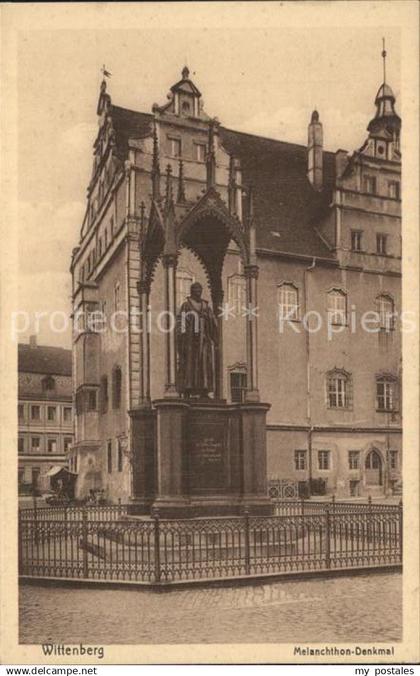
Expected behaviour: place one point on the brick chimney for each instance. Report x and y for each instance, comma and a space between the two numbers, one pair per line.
32, 341
315, 141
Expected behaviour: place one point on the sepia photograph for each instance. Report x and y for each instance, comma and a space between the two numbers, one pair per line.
215, 271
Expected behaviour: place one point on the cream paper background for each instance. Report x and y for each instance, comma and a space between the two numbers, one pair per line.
234, 16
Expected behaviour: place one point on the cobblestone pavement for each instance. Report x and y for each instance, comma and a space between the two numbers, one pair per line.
363, 608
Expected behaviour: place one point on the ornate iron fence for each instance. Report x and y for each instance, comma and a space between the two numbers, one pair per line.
165, 551
302, 507
74, 513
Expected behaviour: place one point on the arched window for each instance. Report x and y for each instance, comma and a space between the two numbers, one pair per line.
237, 294
184, 279
337, 307
385, 306
386, 393
339, 389
288, 300
116, 387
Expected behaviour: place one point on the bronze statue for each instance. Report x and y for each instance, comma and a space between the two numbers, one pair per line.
197, 338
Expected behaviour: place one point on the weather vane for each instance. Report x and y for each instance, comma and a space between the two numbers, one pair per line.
384, 57
105, 72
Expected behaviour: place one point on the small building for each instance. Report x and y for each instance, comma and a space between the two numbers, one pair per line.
45, 413
328, 258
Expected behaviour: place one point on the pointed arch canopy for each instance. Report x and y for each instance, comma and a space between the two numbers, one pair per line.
206, 230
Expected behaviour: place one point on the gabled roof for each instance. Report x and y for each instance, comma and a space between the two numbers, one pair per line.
44, 359
129, 124
285, 204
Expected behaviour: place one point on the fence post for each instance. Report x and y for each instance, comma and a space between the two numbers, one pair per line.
85, 542
400, 529
157, 544
20, 543
327, 537
247, 544
302, 506
333, 503
36, 534
369, 523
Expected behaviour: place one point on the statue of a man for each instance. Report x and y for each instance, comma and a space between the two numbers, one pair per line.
197, 337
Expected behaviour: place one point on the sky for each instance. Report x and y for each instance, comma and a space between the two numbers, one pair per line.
265, 81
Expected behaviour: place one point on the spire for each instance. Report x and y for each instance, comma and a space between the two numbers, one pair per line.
231, 185
384, 58
155, 165
386, 116
181, 186
185, 73
168, 192
211, 157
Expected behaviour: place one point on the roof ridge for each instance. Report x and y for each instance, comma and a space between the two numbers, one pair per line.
130, 110
274, 140
234, 131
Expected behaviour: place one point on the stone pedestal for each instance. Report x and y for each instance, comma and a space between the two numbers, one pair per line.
209, 458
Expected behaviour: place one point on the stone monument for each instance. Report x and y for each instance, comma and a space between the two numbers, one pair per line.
194, 454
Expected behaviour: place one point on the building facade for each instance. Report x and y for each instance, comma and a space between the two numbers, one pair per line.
327, 238
45, 413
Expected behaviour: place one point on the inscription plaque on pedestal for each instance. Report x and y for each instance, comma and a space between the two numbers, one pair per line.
207, 456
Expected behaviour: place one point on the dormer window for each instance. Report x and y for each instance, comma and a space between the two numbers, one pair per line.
186, 107
48, 384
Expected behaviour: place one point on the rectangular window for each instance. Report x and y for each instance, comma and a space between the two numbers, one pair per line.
91, 400
21, 475
384, 395
20, 412
67, 444
35, 476
370, 184
35, 443
238, 385
21, 445
337, 392
354, 459
106, 239
75, 462
356, 240
116, 296
52, 445
120, 457
300, 460
337, 307
237, 294
111, 226
288, 302
200, 152
324, 460
109, 457
393, 459
67, 414
35, 413
52, 413
175, 147
394, 189
381, 247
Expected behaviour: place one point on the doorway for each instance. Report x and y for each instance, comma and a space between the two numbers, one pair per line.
373, 466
